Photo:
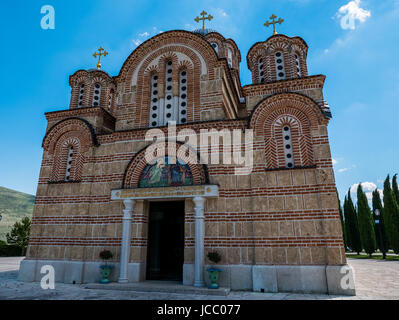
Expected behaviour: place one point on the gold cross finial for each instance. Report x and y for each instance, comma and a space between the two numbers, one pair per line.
203, 14
99, 54
273, 22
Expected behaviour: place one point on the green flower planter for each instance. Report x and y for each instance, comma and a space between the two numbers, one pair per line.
213, 277
105, 272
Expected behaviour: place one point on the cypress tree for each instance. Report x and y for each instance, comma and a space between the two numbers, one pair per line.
395, 188
341, 214
391, 211
352, 227
366, 222
377, 204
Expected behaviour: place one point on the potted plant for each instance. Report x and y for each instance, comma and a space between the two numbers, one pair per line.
105, 269
213, 272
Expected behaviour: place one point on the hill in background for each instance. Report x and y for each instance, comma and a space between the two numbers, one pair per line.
14, 206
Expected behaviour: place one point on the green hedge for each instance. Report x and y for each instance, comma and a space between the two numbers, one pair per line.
10, 250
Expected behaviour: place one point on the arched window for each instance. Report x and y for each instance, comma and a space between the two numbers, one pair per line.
215, 46
183, 96
230, 57
155, 113
96, 95
81, 95
261, 73
110, 99
298, 65
280, 70
69, 164
289, 157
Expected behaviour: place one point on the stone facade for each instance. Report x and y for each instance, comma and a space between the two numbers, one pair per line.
277, 229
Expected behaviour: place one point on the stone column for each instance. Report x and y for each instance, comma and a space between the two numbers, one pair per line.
126, 232
199, 242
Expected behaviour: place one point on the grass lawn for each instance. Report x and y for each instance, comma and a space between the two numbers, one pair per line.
374, 257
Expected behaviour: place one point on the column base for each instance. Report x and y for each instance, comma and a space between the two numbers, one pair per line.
199, 284
123, 280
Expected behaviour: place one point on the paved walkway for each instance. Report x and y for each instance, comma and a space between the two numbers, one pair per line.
374, 279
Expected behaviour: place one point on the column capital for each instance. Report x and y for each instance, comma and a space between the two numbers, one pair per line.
199, 201
128, 211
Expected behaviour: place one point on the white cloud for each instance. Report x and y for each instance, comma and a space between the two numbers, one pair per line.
351, 12
221, 12
368, 188
343, 170
137, 42
144, 34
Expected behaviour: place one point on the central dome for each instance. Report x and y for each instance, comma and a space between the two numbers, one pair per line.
203, 32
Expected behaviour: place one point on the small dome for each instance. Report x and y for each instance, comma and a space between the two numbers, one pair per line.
203, 32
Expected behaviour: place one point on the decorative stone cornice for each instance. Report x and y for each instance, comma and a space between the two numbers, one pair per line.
89, 111
288, 85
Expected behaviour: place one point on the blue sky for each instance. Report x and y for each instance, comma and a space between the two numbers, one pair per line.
360, 61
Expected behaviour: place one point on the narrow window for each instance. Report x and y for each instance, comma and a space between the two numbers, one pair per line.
215, 46
96, 95
289, 158
111, 97
155, 112
170, 110
69, 164
261, 73
183, 97
230, 57
81, 93
280, 70
298, 66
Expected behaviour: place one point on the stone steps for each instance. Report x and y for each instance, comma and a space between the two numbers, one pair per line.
158, 286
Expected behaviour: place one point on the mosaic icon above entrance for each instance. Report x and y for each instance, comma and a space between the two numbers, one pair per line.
165, 174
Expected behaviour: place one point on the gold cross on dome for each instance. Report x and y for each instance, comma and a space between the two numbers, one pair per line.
99, 54
273, 22
203, 14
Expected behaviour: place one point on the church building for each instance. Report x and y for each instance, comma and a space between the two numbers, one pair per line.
276, 227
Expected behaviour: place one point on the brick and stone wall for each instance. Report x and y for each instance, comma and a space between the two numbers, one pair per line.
274, 216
